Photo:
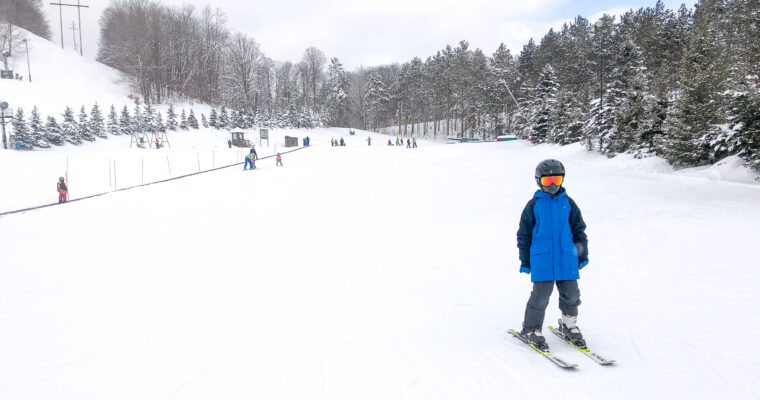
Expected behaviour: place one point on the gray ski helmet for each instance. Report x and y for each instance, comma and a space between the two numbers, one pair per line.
549, 167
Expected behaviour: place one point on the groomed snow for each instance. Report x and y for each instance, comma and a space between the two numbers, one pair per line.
365, 273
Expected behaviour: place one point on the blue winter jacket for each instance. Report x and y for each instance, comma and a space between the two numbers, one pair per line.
552, 237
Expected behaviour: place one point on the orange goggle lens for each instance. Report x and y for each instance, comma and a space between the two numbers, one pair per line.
548, 180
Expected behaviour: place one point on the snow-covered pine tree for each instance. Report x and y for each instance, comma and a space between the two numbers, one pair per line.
69, 128
53, 132
37, 129
570, 119
125, 122
183, 121
375, 96
84, 126
694, 133
224, 119
213, 119
97, 127
149, 116
248, 119
112, 126
171, 118
630, 115
204, 121
192, 122
545, 106
336, 90
745, 121
138, 122
159, 123
235, 120
21, 130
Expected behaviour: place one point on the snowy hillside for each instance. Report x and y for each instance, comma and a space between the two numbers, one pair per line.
61, 78
365, 272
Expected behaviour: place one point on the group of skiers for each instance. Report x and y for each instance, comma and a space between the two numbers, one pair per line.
251, 157
335, 142
410, 143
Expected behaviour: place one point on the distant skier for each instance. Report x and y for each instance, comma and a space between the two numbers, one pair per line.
414, 143
369, 141
279, 160
397, 139
342, 143
553, 248
63, 191
158, 144
408, 143
390, 143
229, 143
250, 159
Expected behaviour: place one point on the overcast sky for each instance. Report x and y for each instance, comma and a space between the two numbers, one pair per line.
371, 32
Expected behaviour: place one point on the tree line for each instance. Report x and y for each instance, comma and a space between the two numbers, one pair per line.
679, 84
32, 132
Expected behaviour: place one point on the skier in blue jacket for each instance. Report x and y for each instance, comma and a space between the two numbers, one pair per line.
553, 248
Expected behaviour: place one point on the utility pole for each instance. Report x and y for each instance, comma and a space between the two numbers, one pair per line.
79, 13
74, 34
28, 65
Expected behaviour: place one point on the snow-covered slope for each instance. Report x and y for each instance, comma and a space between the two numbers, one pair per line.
368, 272
61, 78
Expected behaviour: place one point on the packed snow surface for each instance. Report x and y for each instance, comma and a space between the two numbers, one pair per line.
364, 272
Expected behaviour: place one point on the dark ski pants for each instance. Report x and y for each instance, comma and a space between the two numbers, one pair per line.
569, 300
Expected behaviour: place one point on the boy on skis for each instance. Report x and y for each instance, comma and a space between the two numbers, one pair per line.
63, 191
553, 248
279, 160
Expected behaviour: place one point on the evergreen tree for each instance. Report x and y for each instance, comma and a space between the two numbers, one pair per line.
192, 122
159, 123
97, 127
113, 124
544, 106
213, 120
694, 132
224, 119
151, 122
69, 127
125, 122
84, 126
21, 130
138, 122
570, 119
204, 121
336, 89
183, 121
631, 112
745, 122
53, 132
171, 118
37, 130
236, 122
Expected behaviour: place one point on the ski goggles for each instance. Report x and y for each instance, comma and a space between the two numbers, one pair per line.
549, 180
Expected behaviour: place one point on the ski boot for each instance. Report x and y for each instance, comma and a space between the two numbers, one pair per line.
569, 328
536, 338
